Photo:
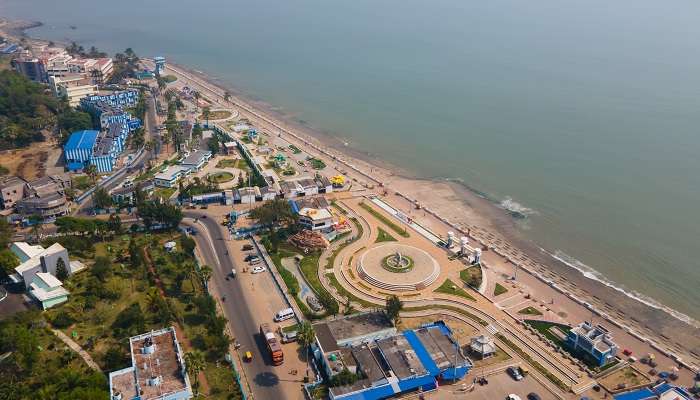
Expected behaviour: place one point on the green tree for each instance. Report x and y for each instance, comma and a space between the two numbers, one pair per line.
135, 254
101, 268
91, 171
206, 113
393, 307
205, 274
114, 224
194, 363
61, 270
8, 262
274, 214
101, 198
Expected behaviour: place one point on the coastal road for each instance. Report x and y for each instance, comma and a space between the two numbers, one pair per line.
211, 243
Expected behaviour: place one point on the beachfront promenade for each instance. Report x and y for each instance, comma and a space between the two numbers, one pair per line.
538, 280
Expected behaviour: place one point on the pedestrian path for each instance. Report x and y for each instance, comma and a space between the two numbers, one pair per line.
76, 347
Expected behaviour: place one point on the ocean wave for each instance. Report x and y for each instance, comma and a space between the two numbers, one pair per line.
595, 275
515, 208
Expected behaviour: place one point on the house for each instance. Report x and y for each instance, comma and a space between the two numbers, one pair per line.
11, 191
314, 213
386, 363
157, 371
268, 193
170, 176
48, 290
308, 186
196, 160
38, 269
125, 194
230, 148
593, 342
324, 184
45, 197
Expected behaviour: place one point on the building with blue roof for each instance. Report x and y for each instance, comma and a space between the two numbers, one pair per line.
662, 391
386, 363
102, 148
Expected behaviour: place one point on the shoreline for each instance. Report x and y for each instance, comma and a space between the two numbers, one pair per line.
470, 212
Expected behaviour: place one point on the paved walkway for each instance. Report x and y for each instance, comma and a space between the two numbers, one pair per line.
76, 347
480, 312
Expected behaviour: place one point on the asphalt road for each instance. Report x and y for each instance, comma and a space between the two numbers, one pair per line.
260, 372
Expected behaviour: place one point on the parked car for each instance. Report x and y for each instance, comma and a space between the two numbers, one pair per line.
247, 247
514, 373
288, 337
255, 261
251, 257
258, 270
513, 397
248, 356
533, 396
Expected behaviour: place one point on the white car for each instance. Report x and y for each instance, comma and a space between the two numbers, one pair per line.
258, 270
513, 397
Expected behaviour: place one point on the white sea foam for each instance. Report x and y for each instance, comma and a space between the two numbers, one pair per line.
513, 206
591, 273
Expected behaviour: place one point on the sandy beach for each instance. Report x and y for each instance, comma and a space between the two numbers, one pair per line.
452, 206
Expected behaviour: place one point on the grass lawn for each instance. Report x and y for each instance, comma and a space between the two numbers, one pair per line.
316, 163
543, 327
499, 290
530, 311
169, 78
498, 357
471, 276
384, 236
220, 177
164, 193
528, 359
227, 163
391, 224
294, 149
217, 115
449, 287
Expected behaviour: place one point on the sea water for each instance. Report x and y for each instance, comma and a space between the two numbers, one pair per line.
583, 112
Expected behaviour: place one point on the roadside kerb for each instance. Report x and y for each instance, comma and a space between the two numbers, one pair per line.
298, 315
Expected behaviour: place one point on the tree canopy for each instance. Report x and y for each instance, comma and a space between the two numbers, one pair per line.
275, 213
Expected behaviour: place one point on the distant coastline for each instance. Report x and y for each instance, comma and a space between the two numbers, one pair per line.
501, 218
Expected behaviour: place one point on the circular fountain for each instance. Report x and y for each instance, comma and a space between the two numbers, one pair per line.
398, 267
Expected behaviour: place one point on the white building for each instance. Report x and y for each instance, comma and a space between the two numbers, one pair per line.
196, 160
170, 176
72, 87
315, 219
38, 271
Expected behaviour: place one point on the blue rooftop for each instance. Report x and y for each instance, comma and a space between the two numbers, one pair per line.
83, 140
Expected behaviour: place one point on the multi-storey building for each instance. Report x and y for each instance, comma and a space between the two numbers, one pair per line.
593, 342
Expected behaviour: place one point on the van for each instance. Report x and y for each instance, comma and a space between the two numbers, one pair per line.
285, 314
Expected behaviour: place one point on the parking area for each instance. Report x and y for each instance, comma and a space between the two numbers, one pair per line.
11, 302
265, 299
499, 386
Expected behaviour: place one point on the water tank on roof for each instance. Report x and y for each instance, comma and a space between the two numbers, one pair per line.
148, 346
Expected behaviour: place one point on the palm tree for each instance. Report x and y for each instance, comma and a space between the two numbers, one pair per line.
194, 362
196, 100
91, 171
205, 274
206, 113
307, 337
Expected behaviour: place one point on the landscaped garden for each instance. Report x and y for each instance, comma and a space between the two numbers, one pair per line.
384, 236
217, 115
529, 310
391, 224
499, 290
471, 276
316, 163
449, 287
220, 177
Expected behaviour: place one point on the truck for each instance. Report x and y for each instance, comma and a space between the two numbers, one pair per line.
273, 345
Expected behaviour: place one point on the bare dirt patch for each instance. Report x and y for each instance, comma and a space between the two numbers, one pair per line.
27, 163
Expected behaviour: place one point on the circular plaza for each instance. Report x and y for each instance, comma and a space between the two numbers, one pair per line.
398, 267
